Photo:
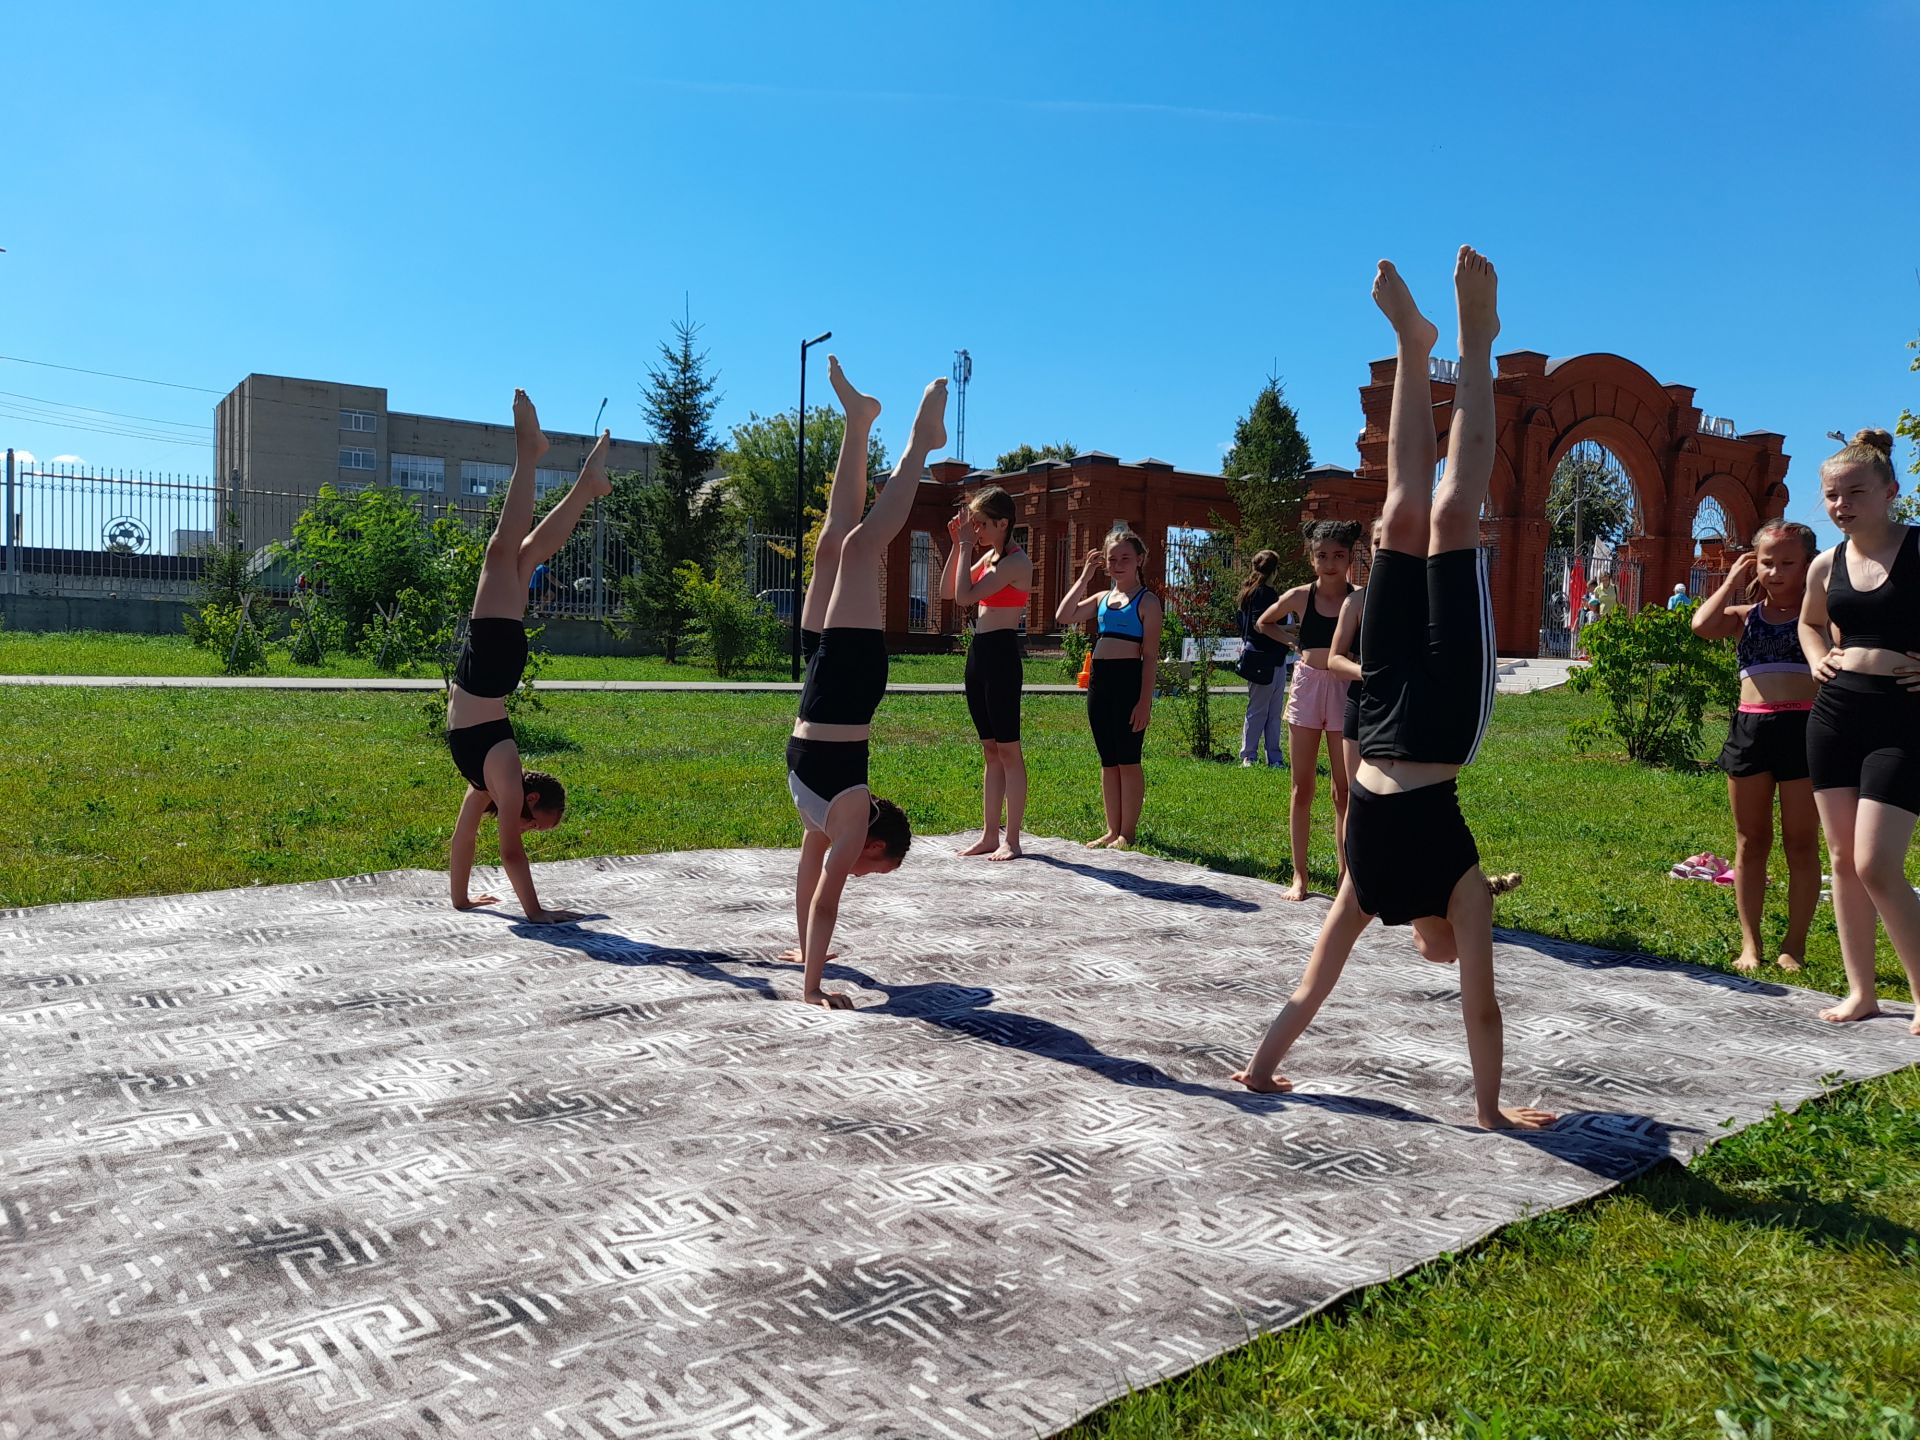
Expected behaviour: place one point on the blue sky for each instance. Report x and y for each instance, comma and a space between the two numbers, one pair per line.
1129, 214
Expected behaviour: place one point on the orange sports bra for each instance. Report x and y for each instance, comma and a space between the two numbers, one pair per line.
1007, 597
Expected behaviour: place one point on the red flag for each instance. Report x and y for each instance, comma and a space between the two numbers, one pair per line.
1576, 593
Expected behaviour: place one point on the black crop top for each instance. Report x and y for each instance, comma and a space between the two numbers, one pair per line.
1316, 630
1886, 617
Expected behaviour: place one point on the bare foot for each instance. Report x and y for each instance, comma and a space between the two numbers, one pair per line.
985, 845
830, 1000
593, 475
1521, 1117
528, 438
792, 955
1498, 885
1120, 842
1390, 293
1854, 1007
930, 425
1747, 962
1104, 841
1914, 1028
1791, 963
861, 409
1476, 288
1009, 850
1297, 890
1272, 1085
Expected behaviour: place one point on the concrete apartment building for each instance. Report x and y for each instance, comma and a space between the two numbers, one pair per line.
283, 437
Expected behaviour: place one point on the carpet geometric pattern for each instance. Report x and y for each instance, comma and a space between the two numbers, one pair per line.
335, 1160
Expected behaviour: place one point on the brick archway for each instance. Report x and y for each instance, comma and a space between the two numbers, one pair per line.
1675, 455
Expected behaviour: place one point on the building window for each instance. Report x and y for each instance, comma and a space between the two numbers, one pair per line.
479, 477
353, 457
545, 480
418, 472
362, 420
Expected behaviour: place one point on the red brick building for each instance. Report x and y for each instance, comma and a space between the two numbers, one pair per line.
1675, 456
1063, 509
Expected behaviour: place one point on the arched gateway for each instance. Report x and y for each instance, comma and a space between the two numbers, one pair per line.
1676, 457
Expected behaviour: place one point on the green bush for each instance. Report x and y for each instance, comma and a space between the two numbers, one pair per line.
230, 632
314, 631
1073, 650
363, 549
414, 630
724, 622
1657, 678
226, 581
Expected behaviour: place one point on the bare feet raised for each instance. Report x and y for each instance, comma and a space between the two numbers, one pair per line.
1477, 289
1390, 293
1297, 890
985, 845
930, 424
528, 438
593, 475
861, 409
1520, 1117
1269, 1085
1854, 1007
1009, 850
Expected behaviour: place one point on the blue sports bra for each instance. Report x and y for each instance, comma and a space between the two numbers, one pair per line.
1122, 621
1767, 648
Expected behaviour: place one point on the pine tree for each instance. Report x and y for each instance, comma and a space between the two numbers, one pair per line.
673, 519
1266, 471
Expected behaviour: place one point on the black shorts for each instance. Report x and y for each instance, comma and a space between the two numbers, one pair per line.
809, 642
471, 744
494, 657
1771, 744
1350, 720
1407, 851
1113, 690
846, 678
994, 673
1864, 734
820, 772
1426, 657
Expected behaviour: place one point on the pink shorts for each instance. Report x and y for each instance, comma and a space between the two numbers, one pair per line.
1317, 699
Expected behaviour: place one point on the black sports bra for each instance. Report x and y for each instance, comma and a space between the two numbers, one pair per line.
1886, 617
1316, 630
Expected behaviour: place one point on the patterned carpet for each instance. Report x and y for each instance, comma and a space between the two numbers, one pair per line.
332, 1159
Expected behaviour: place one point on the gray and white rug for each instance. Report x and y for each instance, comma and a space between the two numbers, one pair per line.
332, 1159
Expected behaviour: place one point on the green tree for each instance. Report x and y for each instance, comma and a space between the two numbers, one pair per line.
1909, 425
674, 519
1266, 472
1590, 473
1657, 678
1022, 456
758, 462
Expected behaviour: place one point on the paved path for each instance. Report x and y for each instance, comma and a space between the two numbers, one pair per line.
1517, 677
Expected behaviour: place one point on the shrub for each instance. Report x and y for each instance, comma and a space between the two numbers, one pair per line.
1656, 678
226, 581
230, 632
1073, 650
314, 631
724, 623
413, 630
363, 549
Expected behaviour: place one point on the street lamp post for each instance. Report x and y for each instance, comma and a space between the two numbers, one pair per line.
799, 496
596, 564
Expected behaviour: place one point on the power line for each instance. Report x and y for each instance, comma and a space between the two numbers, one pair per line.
61, 422
109, 375
116, 414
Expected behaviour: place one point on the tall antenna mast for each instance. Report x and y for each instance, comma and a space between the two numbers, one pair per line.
962, 373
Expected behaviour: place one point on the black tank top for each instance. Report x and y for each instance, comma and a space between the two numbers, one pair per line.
1886, 617
1316, 630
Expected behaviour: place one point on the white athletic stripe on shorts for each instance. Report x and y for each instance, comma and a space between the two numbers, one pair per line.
1489, 665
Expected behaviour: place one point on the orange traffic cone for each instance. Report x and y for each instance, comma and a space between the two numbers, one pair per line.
1086, 671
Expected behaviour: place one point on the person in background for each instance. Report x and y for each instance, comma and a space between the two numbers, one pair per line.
1262, 665
1678, 598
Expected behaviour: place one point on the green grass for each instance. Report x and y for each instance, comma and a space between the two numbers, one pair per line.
1779, 1276
95, 652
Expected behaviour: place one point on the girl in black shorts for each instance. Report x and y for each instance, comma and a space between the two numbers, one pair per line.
478, 731
1860, 628
1766, 749
847, 829
998, 585
1427, 662
1126, 658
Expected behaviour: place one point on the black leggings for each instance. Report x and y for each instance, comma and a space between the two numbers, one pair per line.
1864, 734
1112, 692
994, 673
